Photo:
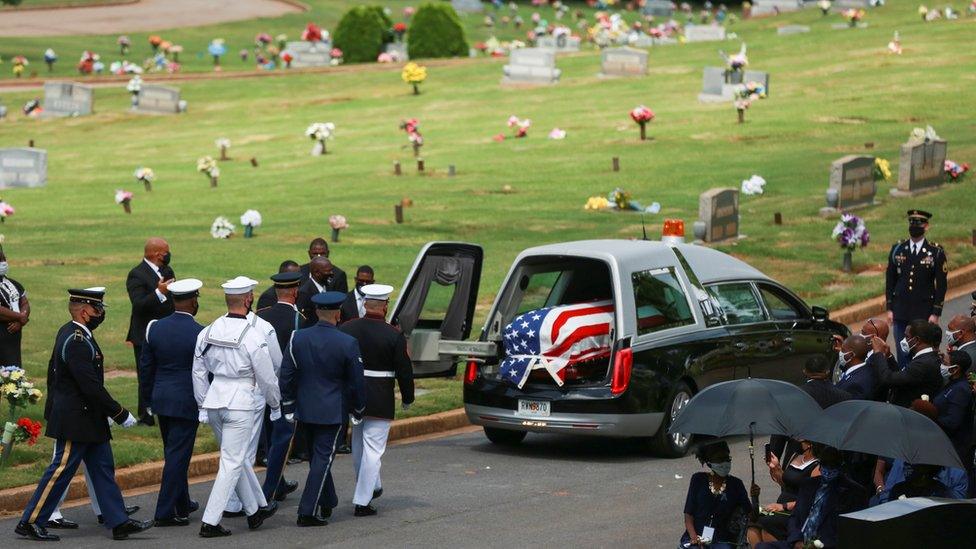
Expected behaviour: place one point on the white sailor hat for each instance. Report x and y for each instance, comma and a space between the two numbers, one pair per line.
377, 292
238, 286
185, 288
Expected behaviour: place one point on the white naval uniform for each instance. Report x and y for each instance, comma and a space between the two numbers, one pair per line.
368, 445
238, 356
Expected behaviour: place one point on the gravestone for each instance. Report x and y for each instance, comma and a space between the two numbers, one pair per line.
467, 6
310, 54
757, 76
714, 87
156, 99
852, 182
766, 7
853, 3
623, 62
67, 99
531, 66
659, 8
23, 167
647, 41
399, 49
921, 167
562, 43
718, 210
704, 33
792, 29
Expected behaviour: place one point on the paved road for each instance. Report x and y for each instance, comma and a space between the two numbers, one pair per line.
462, 491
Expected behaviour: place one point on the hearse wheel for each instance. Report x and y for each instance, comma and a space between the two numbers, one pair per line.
504, 437
663, 443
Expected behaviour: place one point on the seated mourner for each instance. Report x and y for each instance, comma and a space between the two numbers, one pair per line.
773, 524
952, 482
717, 505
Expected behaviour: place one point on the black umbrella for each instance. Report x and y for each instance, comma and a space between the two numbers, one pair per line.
747, 407
885, 430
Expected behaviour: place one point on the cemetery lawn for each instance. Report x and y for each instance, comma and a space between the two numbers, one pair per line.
832, 92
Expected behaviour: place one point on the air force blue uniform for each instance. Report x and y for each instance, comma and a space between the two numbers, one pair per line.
167, 388
321, 364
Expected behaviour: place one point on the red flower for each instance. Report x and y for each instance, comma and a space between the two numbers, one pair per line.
31, 429
400, 27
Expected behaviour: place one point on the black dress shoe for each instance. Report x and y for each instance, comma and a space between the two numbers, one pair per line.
364, 511
286, 488
62, 524
129, 511
377, 493
194, 506
34, 532
326, 512
293, 461
211, 531
311, 520
172, 521
130, 526
147, 420
257, 519
344, 449
234, 514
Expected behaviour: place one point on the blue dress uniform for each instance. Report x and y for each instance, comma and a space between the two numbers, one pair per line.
955, 406
915, 280
79, 406
320, 365
167, 389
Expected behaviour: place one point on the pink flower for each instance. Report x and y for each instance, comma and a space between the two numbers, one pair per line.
642, 114
336, 53
499, 138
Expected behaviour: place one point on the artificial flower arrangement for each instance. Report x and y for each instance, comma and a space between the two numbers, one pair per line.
19, 62
25, 430
753, 185
955, 171
125, 199
250, 219
208, 166
399, 29
557, 133
17, 388
882, 169
221, 228
312, 33
223, 144
287, 57
642, 116
336, 57
745, 94
217, 49
6, 210
320, 132
894, 47
146, 176
737, 62
412, 127
521, 127
262, 39
124, 43
338, 223
850, 233
824, 6
50, 57
853, 16
134, 87
414, 75
154, 41
619, 199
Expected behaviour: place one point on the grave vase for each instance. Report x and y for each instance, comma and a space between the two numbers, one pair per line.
833, 197
223, 153
643, 130
848, 261
248, 231
213, 180
416, 149
699, 230
335, 235
135, 100
7, 443
147, 184
416, 90
742, 115
127, 206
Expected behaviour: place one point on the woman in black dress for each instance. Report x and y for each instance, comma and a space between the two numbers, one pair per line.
801, 466
716, 502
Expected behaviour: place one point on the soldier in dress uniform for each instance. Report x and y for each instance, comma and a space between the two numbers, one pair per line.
285, 318
236, 355
80, 408
321, 364
167, 385
385, 358
915, 282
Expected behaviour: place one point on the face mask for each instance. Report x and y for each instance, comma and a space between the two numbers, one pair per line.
721, 469
196, 309
95, 321
846, 358
166, 257
944, 370
328, 280
360, 283
904, 346
950, 337
3, 268
916, 231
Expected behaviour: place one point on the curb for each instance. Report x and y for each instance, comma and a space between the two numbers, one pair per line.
13, 500
876, 305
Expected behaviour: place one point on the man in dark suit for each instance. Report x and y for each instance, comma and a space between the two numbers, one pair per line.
269, 297
321, 365
167, 362
915, 281
285, 318
80, 411
961, 335
922, 376
955, 406
355, 304
818, 386
147, 285
321, 279
319, 247
858, 379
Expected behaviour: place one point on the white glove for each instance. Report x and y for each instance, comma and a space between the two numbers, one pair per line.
149, 411
404, 406
110, 422
204, 417
275, 414
129, 421
354, 421
290, 418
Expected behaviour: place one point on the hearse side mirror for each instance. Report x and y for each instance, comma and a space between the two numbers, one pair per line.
820, 314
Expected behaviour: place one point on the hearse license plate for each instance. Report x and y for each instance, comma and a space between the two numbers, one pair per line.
533, 408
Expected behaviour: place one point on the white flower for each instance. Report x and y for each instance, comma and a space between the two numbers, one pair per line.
221, 228
208, 166
818, 544
252, 218
145, 174
222, 143
557, 133
122, 196
320, 131
134, 85
753, 185
338, 222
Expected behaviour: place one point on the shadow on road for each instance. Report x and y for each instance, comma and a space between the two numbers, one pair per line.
570, 448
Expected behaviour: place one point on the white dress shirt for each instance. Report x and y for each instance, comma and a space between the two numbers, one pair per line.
360, 302
159, 295
237, 355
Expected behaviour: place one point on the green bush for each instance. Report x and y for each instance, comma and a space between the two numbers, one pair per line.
387, 24
436, 31
360, 34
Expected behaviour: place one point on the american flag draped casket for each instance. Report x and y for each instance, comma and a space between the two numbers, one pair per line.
553, 338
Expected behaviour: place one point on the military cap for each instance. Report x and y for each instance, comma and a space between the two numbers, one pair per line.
92, 296
238, 286
185, 288
377, 292
328, 300
286, 280
919, 216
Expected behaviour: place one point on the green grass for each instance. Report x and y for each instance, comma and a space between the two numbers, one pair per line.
832, 91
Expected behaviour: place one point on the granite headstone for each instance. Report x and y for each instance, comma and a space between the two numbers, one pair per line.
467, 6
921, 166
704, 33
718, 209
156, 99
561, 43
67, 99
310, 54
852, 178
23, 167
623, 62
659, 8
792, 29
531, 66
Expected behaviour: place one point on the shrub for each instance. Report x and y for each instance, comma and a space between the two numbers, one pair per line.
360, 34
388, 35
436, 32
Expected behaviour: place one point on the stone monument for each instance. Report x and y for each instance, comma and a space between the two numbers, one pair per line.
156, 99
67, 99
560, 44
851, 184
921, 167
531, 66
310, 54
23, 167
704, 33
623, 62
718, 215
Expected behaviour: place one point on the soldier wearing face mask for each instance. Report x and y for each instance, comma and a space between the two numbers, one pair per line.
922, 376
14, 315
915, 281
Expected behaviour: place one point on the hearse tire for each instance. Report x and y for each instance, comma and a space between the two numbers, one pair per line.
504, 437
663, 444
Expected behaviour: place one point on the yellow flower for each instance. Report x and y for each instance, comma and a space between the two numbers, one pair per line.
883, 167
9, 388
36, 393
413, 73
16, 374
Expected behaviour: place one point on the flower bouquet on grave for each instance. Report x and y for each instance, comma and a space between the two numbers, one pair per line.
336, 57
337, 222
642, 116
597, 203
853, 16
19, 62
6, 210
50, 57
18, 391
824, 6
33, 108
134, 87
208, 166
250, 219
221, 228
735, 64
882, 169
399, 30
154, 42
955, 171
146, 176
312, 33
262, 39
851, 233
217, 48
414, 75
281, 40
124, 44
408, 12
412, 127
320, 132
287, 58
124, 198
894, 46
521, 127
745, 94
753, 185
223, 144
25, 430
557, 134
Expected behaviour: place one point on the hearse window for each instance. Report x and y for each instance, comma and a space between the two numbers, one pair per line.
537, 289
778, 305
661, 302
560, 282
738, 302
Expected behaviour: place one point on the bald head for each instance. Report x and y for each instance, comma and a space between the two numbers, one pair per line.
962, 328
858, 345
321, 269
157, 251
875, 327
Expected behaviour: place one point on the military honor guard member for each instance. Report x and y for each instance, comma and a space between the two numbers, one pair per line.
915, 281
236, 355
167, 385
285, 318
385, 359
268, 297
80, 412
321, 364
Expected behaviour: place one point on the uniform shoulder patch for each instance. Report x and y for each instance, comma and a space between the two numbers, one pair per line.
78, 335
